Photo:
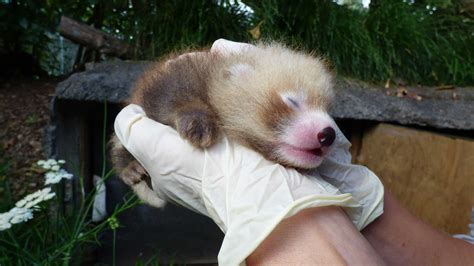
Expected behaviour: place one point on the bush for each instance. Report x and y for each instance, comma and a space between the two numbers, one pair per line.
419, 41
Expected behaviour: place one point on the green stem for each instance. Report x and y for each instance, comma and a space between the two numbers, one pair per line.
113, 248
104, 139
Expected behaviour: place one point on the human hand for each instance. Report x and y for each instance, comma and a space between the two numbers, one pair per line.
246, 195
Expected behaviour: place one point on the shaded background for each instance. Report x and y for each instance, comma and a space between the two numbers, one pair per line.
422, 41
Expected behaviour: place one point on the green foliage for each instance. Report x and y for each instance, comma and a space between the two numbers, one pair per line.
151, 27
393, 39
55, 237
24, 26
158, 27
419, 41
5, 194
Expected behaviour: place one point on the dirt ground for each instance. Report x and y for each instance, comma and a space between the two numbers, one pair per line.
24, 113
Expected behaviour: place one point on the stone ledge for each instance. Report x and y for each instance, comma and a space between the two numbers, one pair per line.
355, 100
112, 81
109, 81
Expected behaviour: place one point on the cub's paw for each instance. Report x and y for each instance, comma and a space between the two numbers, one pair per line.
133, 173
199, 127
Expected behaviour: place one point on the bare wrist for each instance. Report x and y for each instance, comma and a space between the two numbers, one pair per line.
314, 236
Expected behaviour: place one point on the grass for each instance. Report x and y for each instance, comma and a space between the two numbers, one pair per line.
5, 193
395, 40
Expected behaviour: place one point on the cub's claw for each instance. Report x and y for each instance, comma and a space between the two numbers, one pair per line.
133, 173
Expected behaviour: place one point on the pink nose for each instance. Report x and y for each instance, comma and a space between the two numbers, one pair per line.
326, 136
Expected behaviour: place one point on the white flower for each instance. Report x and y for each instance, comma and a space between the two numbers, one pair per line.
5, 226
65, 174
49, 196
20, 215
21, 203
5, 221
50, 175
44, 190
51, 164
31, 200
52, 178
55, 177
51, 161
44, 193
33, 203
23, 210
48, 164
34, 195
30, 197
5, 217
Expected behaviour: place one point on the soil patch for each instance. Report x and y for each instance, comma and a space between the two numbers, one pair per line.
25, 111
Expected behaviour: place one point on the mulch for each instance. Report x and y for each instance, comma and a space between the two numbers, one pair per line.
25, 111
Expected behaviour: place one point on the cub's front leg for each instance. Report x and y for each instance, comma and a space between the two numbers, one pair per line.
127, 167
197, 123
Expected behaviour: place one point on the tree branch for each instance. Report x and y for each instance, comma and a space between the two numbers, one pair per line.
93, 38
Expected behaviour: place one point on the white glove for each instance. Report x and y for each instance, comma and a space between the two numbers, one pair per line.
336, 168
357, 180
246, 195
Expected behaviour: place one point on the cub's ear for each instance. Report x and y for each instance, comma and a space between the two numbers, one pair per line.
240, 70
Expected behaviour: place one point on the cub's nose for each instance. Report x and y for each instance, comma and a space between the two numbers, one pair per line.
326, 136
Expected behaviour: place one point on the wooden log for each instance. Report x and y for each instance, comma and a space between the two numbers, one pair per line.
467, 6
93, 38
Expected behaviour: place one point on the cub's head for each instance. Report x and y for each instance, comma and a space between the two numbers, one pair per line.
275, 101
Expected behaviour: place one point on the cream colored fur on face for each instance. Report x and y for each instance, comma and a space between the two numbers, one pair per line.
254, 74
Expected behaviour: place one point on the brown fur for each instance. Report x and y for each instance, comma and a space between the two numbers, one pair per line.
202, 94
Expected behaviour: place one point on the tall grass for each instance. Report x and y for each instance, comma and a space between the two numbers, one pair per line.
394, 39
419, 41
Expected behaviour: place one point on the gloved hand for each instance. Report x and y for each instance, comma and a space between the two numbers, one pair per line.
246, 195
337, 167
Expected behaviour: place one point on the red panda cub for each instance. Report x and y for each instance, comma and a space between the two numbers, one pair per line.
267, 97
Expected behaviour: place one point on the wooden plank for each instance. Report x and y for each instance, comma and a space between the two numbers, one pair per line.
73, 145
432, 174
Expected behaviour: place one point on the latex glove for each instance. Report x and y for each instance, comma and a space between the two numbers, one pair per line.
337, 169
357, 180
246, 195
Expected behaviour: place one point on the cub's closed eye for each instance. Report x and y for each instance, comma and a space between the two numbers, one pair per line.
291, 102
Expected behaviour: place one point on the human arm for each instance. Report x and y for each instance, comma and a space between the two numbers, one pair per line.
315, 236
400, 238
397, 237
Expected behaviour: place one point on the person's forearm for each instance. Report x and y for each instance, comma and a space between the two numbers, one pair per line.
402, 239
317, 236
